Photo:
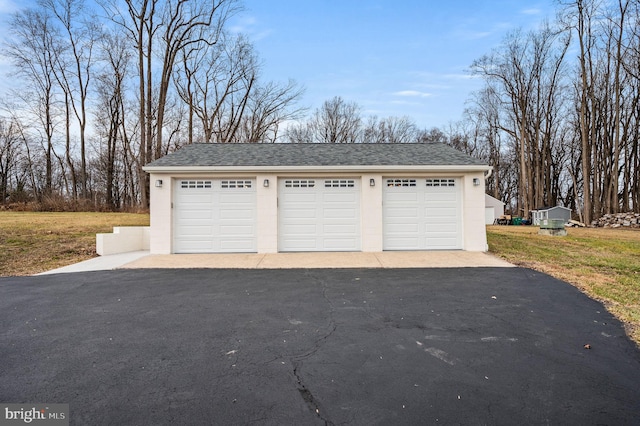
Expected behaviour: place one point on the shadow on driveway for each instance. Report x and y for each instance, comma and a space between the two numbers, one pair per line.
330, 346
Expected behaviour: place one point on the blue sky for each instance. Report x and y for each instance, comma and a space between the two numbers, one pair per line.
392, 57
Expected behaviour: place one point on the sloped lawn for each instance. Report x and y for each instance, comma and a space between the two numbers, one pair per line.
33, 242
603, 263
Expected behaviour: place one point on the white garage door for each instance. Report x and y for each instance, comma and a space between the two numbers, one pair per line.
215, 216
319, 214
422, 214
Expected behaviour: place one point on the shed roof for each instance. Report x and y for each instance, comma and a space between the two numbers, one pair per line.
542, 209
247, 155
493, 200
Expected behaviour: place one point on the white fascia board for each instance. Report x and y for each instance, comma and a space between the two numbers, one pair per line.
195, 170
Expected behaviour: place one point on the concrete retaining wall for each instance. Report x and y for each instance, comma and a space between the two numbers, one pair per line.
123, 239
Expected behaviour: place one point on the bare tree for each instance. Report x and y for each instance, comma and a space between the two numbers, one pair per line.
164, 30
337, 121
187, 24
110, 116
526, 74
390, 130
9, 155
74, 61
606, 97
269, 106
32, 51
578, 15
484, 114
219, 80
219, 84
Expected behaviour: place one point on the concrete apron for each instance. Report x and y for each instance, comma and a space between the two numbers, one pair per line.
409, 259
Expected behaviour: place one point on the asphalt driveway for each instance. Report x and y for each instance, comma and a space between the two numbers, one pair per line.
311, 346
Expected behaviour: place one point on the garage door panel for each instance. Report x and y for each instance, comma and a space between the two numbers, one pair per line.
323, 215
236, 245
302, 229
300, 196
339, 213
436, 197
397, 195
197, 230
441, 234
403, 228
399, 213
422, 216
449, 228
328, 229
408, 243
215, 215
341, 197
449, 213
196, 215
299, 214
239, 230
301, 244
237, 214
196, 246
196, 203
230, 196
442, 243
338, 244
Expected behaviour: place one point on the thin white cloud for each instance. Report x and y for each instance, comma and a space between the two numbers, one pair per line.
458, 76
474, 35
405, 103
8, 6
260, 35
469, 31
242, 25
413, 94
531, 11
248, 25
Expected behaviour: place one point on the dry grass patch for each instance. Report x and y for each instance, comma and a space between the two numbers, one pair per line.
603, 263
36, 242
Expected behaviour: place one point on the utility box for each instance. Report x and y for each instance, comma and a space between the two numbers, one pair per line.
553, 227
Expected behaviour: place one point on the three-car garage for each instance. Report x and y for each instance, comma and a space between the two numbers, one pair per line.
272, 205
316, 214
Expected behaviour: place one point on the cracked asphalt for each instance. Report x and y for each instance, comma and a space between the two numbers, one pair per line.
316, 346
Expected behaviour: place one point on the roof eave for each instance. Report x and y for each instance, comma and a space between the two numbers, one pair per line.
317, 169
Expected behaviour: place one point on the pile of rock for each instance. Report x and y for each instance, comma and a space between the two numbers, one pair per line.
618, 220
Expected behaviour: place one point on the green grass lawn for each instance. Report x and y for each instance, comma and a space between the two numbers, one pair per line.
36, 242
603, 263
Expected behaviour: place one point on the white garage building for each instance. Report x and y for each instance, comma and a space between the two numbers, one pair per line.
267, 198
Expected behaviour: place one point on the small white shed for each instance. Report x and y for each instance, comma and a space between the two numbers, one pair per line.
493, 209
557, 212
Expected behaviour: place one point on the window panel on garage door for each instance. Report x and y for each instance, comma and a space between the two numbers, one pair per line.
215, 216
319, 215
421, 214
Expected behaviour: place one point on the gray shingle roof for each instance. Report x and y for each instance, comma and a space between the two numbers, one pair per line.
247, 155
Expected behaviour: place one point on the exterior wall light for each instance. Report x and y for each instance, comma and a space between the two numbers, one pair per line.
476, 182
159, 183
372, 182
265, 183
